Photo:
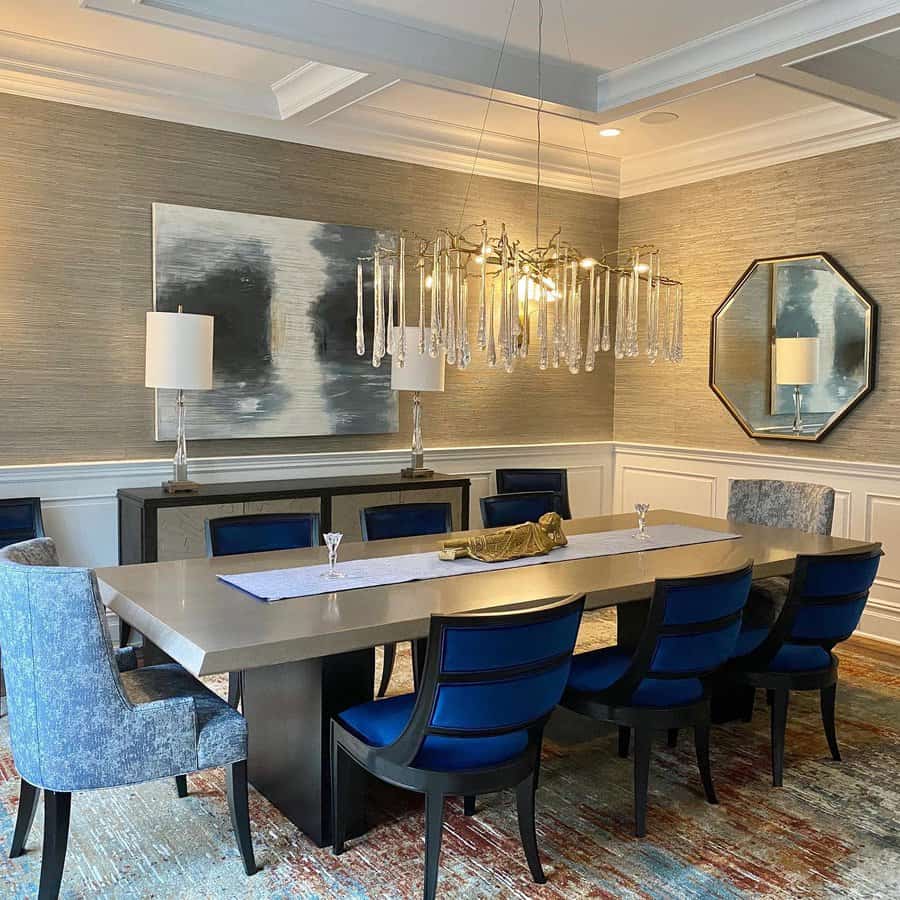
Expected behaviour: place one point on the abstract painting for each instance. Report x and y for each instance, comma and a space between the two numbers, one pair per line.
283, 294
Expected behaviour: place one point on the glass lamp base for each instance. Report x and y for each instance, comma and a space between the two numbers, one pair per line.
416, 473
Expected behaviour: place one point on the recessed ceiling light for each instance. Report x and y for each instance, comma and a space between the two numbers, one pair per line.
659, 118
610, 132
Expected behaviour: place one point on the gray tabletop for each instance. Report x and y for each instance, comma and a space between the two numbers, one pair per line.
210, 627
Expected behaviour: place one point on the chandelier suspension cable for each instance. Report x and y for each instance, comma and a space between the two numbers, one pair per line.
587, 155
549, 285
540, 106
487, 109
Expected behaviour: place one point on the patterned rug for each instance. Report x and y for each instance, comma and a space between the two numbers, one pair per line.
833, 830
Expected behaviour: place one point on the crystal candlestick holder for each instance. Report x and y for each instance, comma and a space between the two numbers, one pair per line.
642, 509
332, 542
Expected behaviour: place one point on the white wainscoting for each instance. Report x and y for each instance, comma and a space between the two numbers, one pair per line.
867, 501
79, 499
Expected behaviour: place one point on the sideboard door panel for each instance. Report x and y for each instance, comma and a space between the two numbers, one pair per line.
180, 529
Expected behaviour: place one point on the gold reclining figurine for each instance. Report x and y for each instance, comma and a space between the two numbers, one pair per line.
528, 539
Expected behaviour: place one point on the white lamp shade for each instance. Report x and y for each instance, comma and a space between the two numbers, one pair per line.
797, 360
179, 351
420, 372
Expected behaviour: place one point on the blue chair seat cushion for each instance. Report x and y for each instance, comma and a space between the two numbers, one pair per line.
221, 730
381, 722
799, 658
597, 670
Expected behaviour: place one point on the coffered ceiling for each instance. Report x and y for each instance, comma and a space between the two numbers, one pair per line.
745, 83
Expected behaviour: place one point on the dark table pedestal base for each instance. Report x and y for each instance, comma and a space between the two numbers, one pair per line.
289, 709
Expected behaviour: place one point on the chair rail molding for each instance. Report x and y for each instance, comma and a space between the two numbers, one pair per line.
867, 501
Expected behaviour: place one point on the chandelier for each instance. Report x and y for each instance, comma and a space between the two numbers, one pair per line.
545, 292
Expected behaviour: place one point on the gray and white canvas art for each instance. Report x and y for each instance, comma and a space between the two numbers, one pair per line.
283, 293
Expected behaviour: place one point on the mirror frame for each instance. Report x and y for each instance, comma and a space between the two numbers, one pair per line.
871, 348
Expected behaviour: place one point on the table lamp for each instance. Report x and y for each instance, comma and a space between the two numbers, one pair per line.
420, 372
797, 363
179, 357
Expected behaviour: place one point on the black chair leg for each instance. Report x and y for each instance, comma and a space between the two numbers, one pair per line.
434, 824
469, 805
701, 744
748, 701
672, 737
124, 633
624, 740
340, 763
779, 710
181, 785
57, 806
235, 689
387, 668
238, 806
525, 807
642, 738
28, 800
827, 697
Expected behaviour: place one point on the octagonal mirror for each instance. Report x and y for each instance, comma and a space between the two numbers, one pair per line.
793, 347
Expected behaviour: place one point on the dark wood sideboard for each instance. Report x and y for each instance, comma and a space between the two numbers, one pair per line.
156, 526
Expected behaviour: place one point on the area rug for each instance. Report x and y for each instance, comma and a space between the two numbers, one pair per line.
833, 830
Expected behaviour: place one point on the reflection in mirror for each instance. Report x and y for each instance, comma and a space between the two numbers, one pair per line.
793, 347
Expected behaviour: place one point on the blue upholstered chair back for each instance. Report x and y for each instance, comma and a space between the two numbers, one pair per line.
694, 623
66, 707
514, 481
514, 509
404, 520
827, 596
491, 675
261, 533
20, 520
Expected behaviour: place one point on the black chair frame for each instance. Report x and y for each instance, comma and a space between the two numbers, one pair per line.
562, 493
750, 670
613, 703
236, 679
274, 518
37, 529
485, 501
446, 508
393, 763
390, 650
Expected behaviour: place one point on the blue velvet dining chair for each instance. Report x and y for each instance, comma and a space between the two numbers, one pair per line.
475, 726
258, 533
825, 601
514, 481
83, 717
661, 683
514, 509
261, 533
399, 520
20, 520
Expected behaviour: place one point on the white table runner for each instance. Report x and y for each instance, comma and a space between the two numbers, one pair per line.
306, 581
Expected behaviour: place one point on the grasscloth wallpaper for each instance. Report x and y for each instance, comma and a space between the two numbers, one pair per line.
847, 204
76, 187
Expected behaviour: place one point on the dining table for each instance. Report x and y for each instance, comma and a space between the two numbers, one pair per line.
305, 659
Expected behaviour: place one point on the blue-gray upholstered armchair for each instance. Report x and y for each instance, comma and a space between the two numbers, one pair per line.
82, 716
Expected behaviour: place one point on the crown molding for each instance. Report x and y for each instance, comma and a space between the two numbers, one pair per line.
743, 44
812, 132
310, 84
84, 72
444, 145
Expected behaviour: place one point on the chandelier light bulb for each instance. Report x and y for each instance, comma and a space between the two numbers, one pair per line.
429, 282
